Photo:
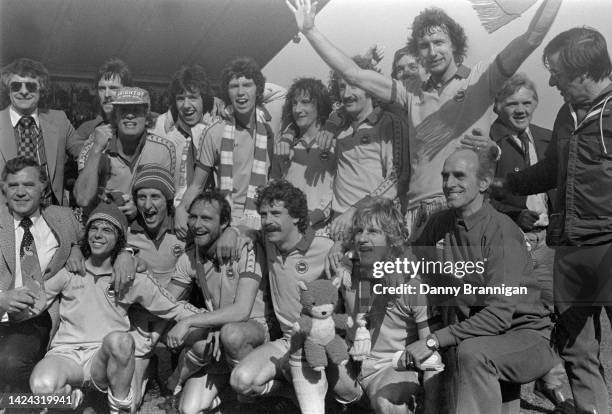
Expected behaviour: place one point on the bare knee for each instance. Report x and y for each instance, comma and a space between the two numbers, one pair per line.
119, 345
242, 379
232, 337
44, 383
189, 406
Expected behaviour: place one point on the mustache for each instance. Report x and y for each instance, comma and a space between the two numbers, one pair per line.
271, 228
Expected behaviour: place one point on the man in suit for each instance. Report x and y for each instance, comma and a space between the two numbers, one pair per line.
522, 145
28, 230
45, 135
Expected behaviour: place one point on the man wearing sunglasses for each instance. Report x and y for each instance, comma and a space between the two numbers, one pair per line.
44, 135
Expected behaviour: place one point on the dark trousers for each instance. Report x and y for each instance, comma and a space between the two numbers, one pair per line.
491, 370
22, 345
583, 285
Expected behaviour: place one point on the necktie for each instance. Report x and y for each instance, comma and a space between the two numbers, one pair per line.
524, 138
31, 274
28, 137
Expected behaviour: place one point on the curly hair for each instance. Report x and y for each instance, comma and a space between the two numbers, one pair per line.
26, 67
86, 249
432, 19
582, 51
191, 78
114, 67
382, 212
293, 198
243, 67
335, 76
313, 89
208, 196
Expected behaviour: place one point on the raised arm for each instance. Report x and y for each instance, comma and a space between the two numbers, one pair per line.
371, 81
86, 186
520, 48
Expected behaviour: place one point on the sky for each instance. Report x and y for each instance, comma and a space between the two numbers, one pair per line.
353, 25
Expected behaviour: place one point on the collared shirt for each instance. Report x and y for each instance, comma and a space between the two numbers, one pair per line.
89, 310
439, 115
44, 239
365, 161
15, 117
535, 202
244, 155
117, 173
46, 246
184, 141
312, 171
219, 282
492, 239
161, 253
304, 262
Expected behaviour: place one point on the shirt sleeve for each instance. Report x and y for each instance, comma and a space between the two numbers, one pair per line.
250, 265
184, 273
504, 252
147, 292
210, 147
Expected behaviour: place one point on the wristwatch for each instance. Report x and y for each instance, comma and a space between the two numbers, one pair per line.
432, 342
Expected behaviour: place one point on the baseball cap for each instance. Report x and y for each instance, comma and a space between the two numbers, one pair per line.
132, 96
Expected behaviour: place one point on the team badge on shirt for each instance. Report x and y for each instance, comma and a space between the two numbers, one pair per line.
301, 267
460, 96
177, 250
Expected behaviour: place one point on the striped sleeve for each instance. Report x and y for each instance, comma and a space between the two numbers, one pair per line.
249, 265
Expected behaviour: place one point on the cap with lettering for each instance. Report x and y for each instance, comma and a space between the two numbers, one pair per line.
132, 96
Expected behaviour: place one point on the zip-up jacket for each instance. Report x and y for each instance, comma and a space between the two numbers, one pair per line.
579, 163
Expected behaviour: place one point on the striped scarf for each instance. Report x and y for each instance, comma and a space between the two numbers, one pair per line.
259, 175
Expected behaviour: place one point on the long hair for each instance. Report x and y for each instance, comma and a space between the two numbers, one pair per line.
382, 212
316, 91
432, 19
86, 249
243, 67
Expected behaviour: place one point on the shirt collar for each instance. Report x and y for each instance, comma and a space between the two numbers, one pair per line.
34, 217
166, 227
15, 116
113, 149
477, 217
501, 130
304, 244
462, 72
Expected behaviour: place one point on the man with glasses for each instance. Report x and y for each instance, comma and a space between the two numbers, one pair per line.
44, 135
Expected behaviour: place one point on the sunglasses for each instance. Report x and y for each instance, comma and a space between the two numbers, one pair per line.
32, 87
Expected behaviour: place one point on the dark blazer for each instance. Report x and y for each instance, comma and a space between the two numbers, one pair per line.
512, 161
66, 229
59, 137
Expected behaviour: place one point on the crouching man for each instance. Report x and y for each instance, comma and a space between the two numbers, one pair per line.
238, 318
92, 345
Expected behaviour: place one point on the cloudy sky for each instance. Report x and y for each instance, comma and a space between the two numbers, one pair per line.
353, 25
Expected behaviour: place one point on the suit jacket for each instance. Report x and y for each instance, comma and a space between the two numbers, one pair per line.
512, 161
59, 137
66, 229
